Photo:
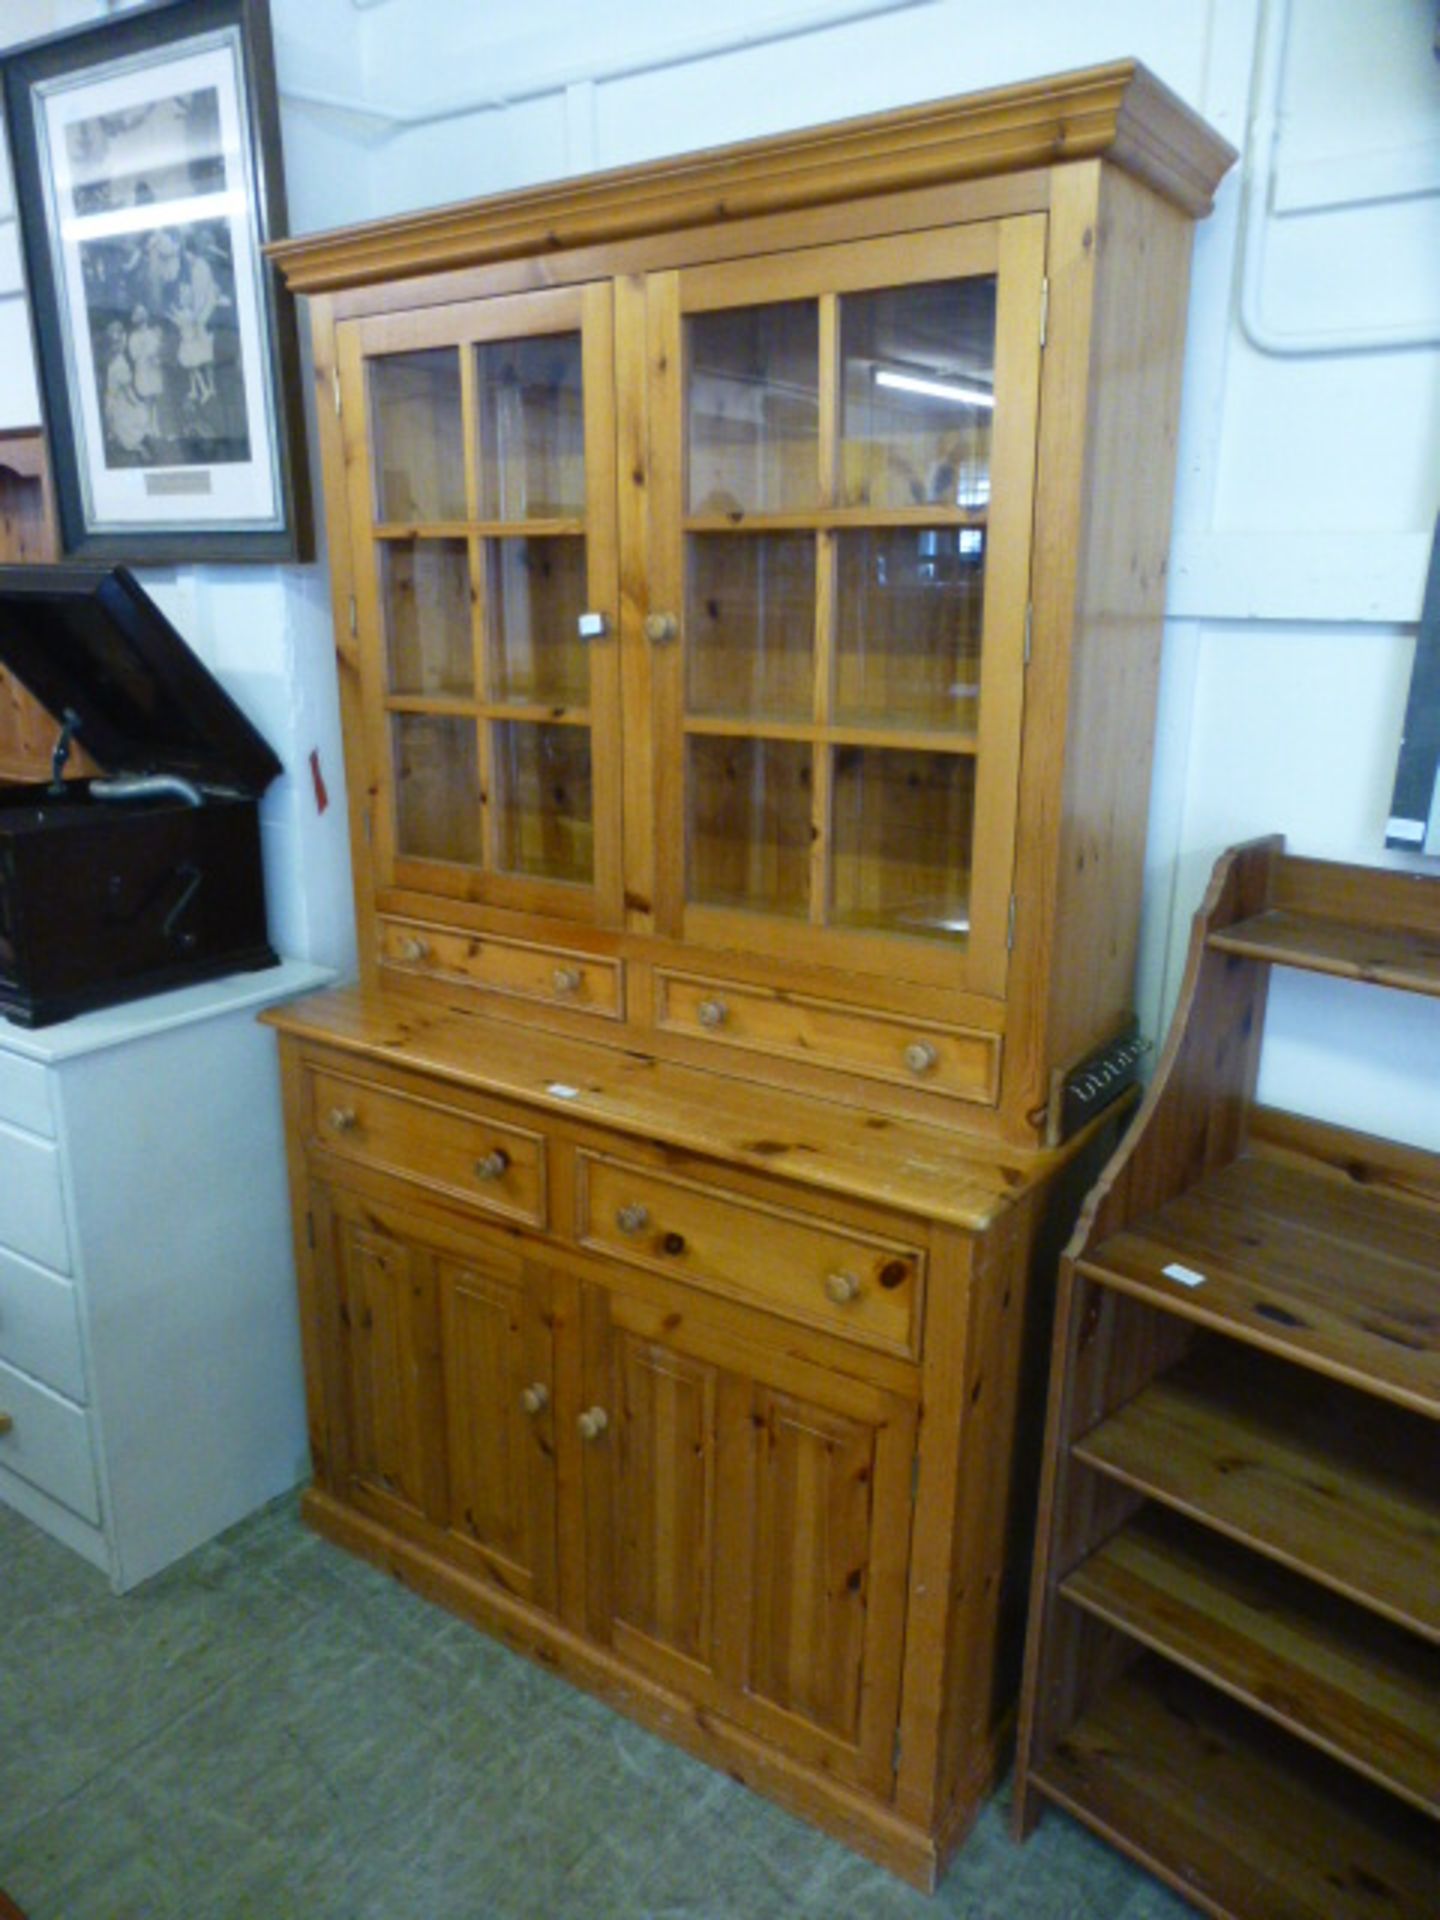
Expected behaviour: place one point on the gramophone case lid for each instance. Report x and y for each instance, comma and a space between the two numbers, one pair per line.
91, 639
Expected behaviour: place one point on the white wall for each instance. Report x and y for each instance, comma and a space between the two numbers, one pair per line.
1310, 447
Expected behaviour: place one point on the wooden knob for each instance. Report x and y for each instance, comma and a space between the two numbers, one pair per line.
536, 1397
566, 979
920, 1056
660, 627
633, 1219
712, 1013
493, 1165
592, 1423
841, 1288
6, 1422
414, 949
344, 1119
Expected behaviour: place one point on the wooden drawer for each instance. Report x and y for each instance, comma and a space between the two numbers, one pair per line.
958, 1061
48, 1443
556, 976
858, 1285
39, 1326
458, 1151
32, 1200
25, 1095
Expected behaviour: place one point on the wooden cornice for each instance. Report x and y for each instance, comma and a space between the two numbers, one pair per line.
1119, 112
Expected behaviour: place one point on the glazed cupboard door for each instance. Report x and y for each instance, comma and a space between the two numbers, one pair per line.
843, 450
748, 1530
480, 446
440, 1418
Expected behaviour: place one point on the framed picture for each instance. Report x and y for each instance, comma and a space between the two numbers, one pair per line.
146, 153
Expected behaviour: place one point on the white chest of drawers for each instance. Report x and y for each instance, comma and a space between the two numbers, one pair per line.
150, 1385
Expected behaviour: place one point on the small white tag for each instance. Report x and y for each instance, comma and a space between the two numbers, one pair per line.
562, 1092
1187, 1276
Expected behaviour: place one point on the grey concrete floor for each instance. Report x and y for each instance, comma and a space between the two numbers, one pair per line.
272, 1731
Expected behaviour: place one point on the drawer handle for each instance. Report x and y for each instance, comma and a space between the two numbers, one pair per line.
660, 628
414, 949
344, 1119
841, 1288
592, 1423
493, 1166
535, 1398
920, 1056
566, 979
6, 1423
633, 1219
712, 1013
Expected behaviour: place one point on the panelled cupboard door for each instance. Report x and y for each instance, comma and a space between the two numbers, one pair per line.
842, 452
480, 445
380, 1287
446, 1372
748, 1531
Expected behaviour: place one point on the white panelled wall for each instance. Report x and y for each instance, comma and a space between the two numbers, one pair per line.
1310, 440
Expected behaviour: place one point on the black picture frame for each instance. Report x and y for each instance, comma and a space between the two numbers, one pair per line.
146, 158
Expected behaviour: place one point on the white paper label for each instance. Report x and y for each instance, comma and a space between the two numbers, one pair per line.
1187, 1276
562, 1092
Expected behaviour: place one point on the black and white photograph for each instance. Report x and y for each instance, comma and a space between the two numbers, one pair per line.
147, 161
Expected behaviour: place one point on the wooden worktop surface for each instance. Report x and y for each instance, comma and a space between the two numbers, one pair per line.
934, 1171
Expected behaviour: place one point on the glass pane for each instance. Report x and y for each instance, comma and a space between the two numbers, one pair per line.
750, 625
917, 395
754, 409
536, 597
749, 820
542, 793
532, 428
425, 597
437, 788
902, 826
909, 610
416, 434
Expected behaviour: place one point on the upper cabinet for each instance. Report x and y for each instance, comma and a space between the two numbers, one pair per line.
751, 572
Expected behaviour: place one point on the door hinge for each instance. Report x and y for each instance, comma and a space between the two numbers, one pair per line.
1029, 628
354, 617
1010, 927
339, 396
1044, 309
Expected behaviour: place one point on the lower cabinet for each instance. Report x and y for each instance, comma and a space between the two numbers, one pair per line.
745, 1452
739, 1524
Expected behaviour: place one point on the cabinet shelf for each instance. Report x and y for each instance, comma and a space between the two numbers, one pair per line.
1382, 957
1344, 1682
900, 739
1338, 1278
1234, 1815
1344, 1492
836, 519
537, 529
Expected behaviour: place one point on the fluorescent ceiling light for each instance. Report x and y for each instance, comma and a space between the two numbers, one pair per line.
934, 389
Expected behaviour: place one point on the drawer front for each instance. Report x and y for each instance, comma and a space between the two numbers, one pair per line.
32, 1200
958, 1061
40, 1326
25, 1095
486, 1163
858, 1285
47, 1442
556, 976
